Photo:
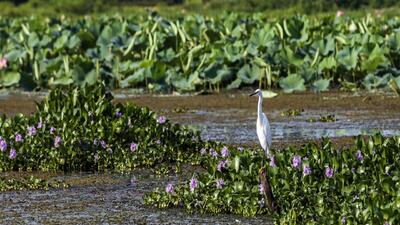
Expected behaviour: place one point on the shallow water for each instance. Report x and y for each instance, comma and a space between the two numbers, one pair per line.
228, 117
231, 118
116, 202
238, 126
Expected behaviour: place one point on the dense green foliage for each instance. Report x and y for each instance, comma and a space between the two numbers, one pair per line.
312, 184
201, 53
82, 130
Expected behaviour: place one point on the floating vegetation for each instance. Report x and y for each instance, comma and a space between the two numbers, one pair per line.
313, 184
29, 183
292, 112
82, 130
180, 110
324, 119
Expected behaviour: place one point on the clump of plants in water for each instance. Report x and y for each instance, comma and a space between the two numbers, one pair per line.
29, 183
82, 130
313, 184
323, 119
292, 112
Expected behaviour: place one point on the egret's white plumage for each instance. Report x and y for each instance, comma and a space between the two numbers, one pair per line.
263, 128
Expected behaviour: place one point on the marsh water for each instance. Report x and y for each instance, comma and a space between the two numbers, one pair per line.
227, 117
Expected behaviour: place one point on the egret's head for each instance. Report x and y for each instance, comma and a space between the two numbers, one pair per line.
257, 92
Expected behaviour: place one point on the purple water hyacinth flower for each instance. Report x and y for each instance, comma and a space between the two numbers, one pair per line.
343, 220
329, 172
39, 125
240, 149
386, 223
213, 153
306, 170
272, 162
19, 138
359, 155
133, 147
193, 184
52, 130
261, 189
224, 151
296, 162
158, 142
169, 188
103, 144
220, 183
161, 119
118, 114
95, 141
13, 153
221, 165
31, 131
3, 144
57, 142
203, 151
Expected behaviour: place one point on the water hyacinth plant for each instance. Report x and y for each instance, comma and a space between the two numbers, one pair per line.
19, 138
193, 184
3, 144
169, 189
81, 129
296, 161
29, 183
13, 153
330, 187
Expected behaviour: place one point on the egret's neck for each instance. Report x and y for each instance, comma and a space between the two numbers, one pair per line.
259, 110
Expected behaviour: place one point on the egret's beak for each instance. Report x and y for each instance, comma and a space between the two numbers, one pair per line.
253, 93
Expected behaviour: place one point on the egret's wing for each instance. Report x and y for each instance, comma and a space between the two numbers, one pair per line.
266, 130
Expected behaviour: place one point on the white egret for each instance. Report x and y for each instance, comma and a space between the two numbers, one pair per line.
264, 136
263, 128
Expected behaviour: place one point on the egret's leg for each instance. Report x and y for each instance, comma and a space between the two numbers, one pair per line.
267, 152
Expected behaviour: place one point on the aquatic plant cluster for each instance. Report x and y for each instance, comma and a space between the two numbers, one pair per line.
199, 52
312, 184
29, 183
82, 130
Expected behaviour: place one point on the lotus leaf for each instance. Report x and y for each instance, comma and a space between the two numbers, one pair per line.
293, 82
